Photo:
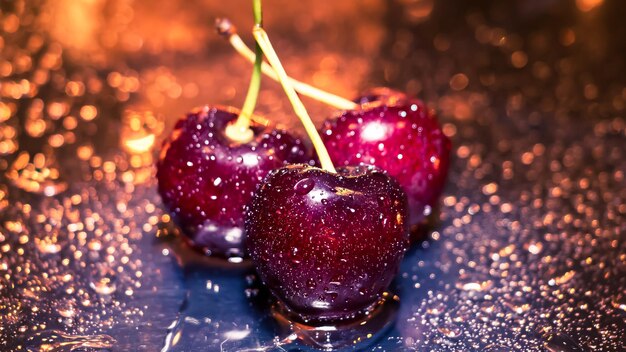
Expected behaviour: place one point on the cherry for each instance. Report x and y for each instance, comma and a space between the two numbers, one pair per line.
327, 244
205, 178
400, 136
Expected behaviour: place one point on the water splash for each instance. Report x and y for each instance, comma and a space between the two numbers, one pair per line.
57, 341
175, 329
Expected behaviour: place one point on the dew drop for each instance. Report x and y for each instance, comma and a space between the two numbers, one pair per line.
437, 309
561, 343
48, 245
559, 280
304, 186
103, 281
496, 348
94, 245
517, 305
487, 307
619, 302
474, 285
67, 309
451, 331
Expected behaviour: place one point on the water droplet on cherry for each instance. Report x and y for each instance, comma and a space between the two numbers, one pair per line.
305, 186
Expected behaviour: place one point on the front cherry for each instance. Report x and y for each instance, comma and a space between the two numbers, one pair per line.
398, 135
205, 178
327, 244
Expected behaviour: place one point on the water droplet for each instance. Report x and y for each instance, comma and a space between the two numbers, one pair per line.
619, 302
506, 251
436, 309
474, 285
534, 247
305, 186
94, 245
487, 307
39, 174
451, 331
496, 348
251, 292
48, 245
103, 281
10, 314
67, 309
517, 305
562, 279
561, 343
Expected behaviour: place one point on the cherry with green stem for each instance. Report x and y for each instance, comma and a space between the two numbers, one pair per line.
326, 241
213, 162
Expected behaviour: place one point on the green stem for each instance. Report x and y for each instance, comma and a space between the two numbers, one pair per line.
258, 12
255, 81
263, 40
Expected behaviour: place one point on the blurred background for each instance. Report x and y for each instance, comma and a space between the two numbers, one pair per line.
531, 92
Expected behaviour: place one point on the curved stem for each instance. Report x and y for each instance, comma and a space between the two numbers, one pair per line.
263, 40
226, 28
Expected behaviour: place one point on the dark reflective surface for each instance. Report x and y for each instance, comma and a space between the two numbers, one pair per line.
529, 253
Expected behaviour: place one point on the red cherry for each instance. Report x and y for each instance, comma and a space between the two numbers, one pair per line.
327, 244
398, 135
205, 179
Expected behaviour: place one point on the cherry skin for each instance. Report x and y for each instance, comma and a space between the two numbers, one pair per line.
398, 135
205, 179
327, 245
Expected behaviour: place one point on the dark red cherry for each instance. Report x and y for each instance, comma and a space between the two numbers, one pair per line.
205, 179
398, 135
327, 245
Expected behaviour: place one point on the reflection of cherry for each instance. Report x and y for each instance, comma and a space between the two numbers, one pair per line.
206, 179
327, 244
400, 136
382, 127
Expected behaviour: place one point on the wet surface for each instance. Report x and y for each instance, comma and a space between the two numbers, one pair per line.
528, 253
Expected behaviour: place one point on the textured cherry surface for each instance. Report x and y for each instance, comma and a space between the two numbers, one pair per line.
400, 136
327, 245
206, 180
